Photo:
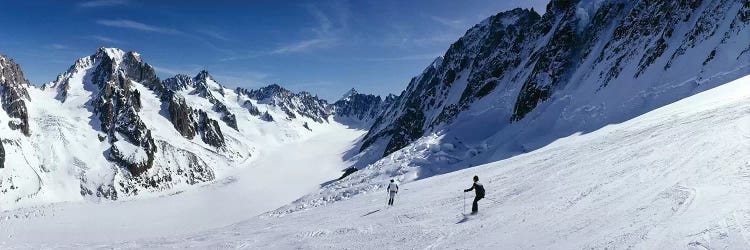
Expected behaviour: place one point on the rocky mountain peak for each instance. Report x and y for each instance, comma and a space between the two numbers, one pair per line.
204, 83
358, 107
179, 82
349, 93
109, 52
13, 94
202, 75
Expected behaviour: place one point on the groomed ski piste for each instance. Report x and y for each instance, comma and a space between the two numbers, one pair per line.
677, 177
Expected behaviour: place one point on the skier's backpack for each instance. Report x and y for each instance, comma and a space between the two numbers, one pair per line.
480, 190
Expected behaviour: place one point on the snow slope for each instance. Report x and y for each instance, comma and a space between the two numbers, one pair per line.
677, 177
523, 79
278, 176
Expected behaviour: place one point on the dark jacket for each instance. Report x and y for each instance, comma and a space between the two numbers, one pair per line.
478, 188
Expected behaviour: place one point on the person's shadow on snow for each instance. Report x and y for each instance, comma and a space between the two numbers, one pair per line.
464, 219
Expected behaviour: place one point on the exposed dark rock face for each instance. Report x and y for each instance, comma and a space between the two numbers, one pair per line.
116, 104
190, 122
348, 172
252, 109
303, 103
210, 131
358, 106
201, 85
178, 82
266, 117
227, 117
138, 71
14, 95
2, 155
531, 58
181, 116
307, 126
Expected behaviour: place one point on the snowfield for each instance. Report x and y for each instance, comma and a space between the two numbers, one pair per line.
276, 177
675, 178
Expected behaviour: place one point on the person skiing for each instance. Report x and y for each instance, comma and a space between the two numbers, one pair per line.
392, 190
479, 189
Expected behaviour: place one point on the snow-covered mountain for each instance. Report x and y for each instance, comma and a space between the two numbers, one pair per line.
674, 178
518, 81
303, 103
526, 79
355, 107
109, 128
13, 97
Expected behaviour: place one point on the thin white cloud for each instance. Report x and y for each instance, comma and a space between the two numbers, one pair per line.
244, 78
168, 71
428, 56
102, 3
130, 24
213, 34
187, 69
302, 46
104, 39
242, 57
325, 34
57, 46
451, 23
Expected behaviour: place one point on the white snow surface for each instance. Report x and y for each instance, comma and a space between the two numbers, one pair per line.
677, 177
276, 177
65, 155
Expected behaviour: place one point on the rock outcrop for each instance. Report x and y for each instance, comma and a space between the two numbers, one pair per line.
13, 94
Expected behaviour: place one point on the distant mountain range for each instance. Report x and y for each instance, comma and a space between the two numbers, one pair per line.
109, 127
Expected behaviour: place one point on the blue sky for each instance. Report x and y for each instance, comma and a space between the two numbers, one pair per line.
324, 47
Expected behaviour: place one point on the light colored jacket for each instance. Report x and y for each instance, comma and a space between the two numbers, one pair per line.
393, 187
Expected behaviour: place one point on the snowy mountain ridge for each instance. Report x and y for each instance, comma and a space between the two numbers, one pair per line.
518, 81
521, 64
151, 135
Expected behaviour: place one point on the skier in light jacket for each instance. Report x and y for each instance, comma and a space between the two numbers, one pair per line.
392, 190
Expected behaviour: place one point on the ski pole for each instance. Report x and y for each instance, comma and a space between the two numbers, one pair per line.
464, 202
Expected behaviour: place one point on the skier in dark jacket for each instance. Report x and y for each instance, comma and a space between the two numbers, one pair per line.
479, 189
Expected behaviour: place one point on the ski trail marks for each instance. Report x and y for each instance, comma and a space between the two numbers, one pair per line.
371, 212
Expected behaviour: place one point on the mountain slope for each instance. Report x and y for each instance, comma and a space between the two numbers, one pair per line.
420, 139
109, 128
673, 178
527, 79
